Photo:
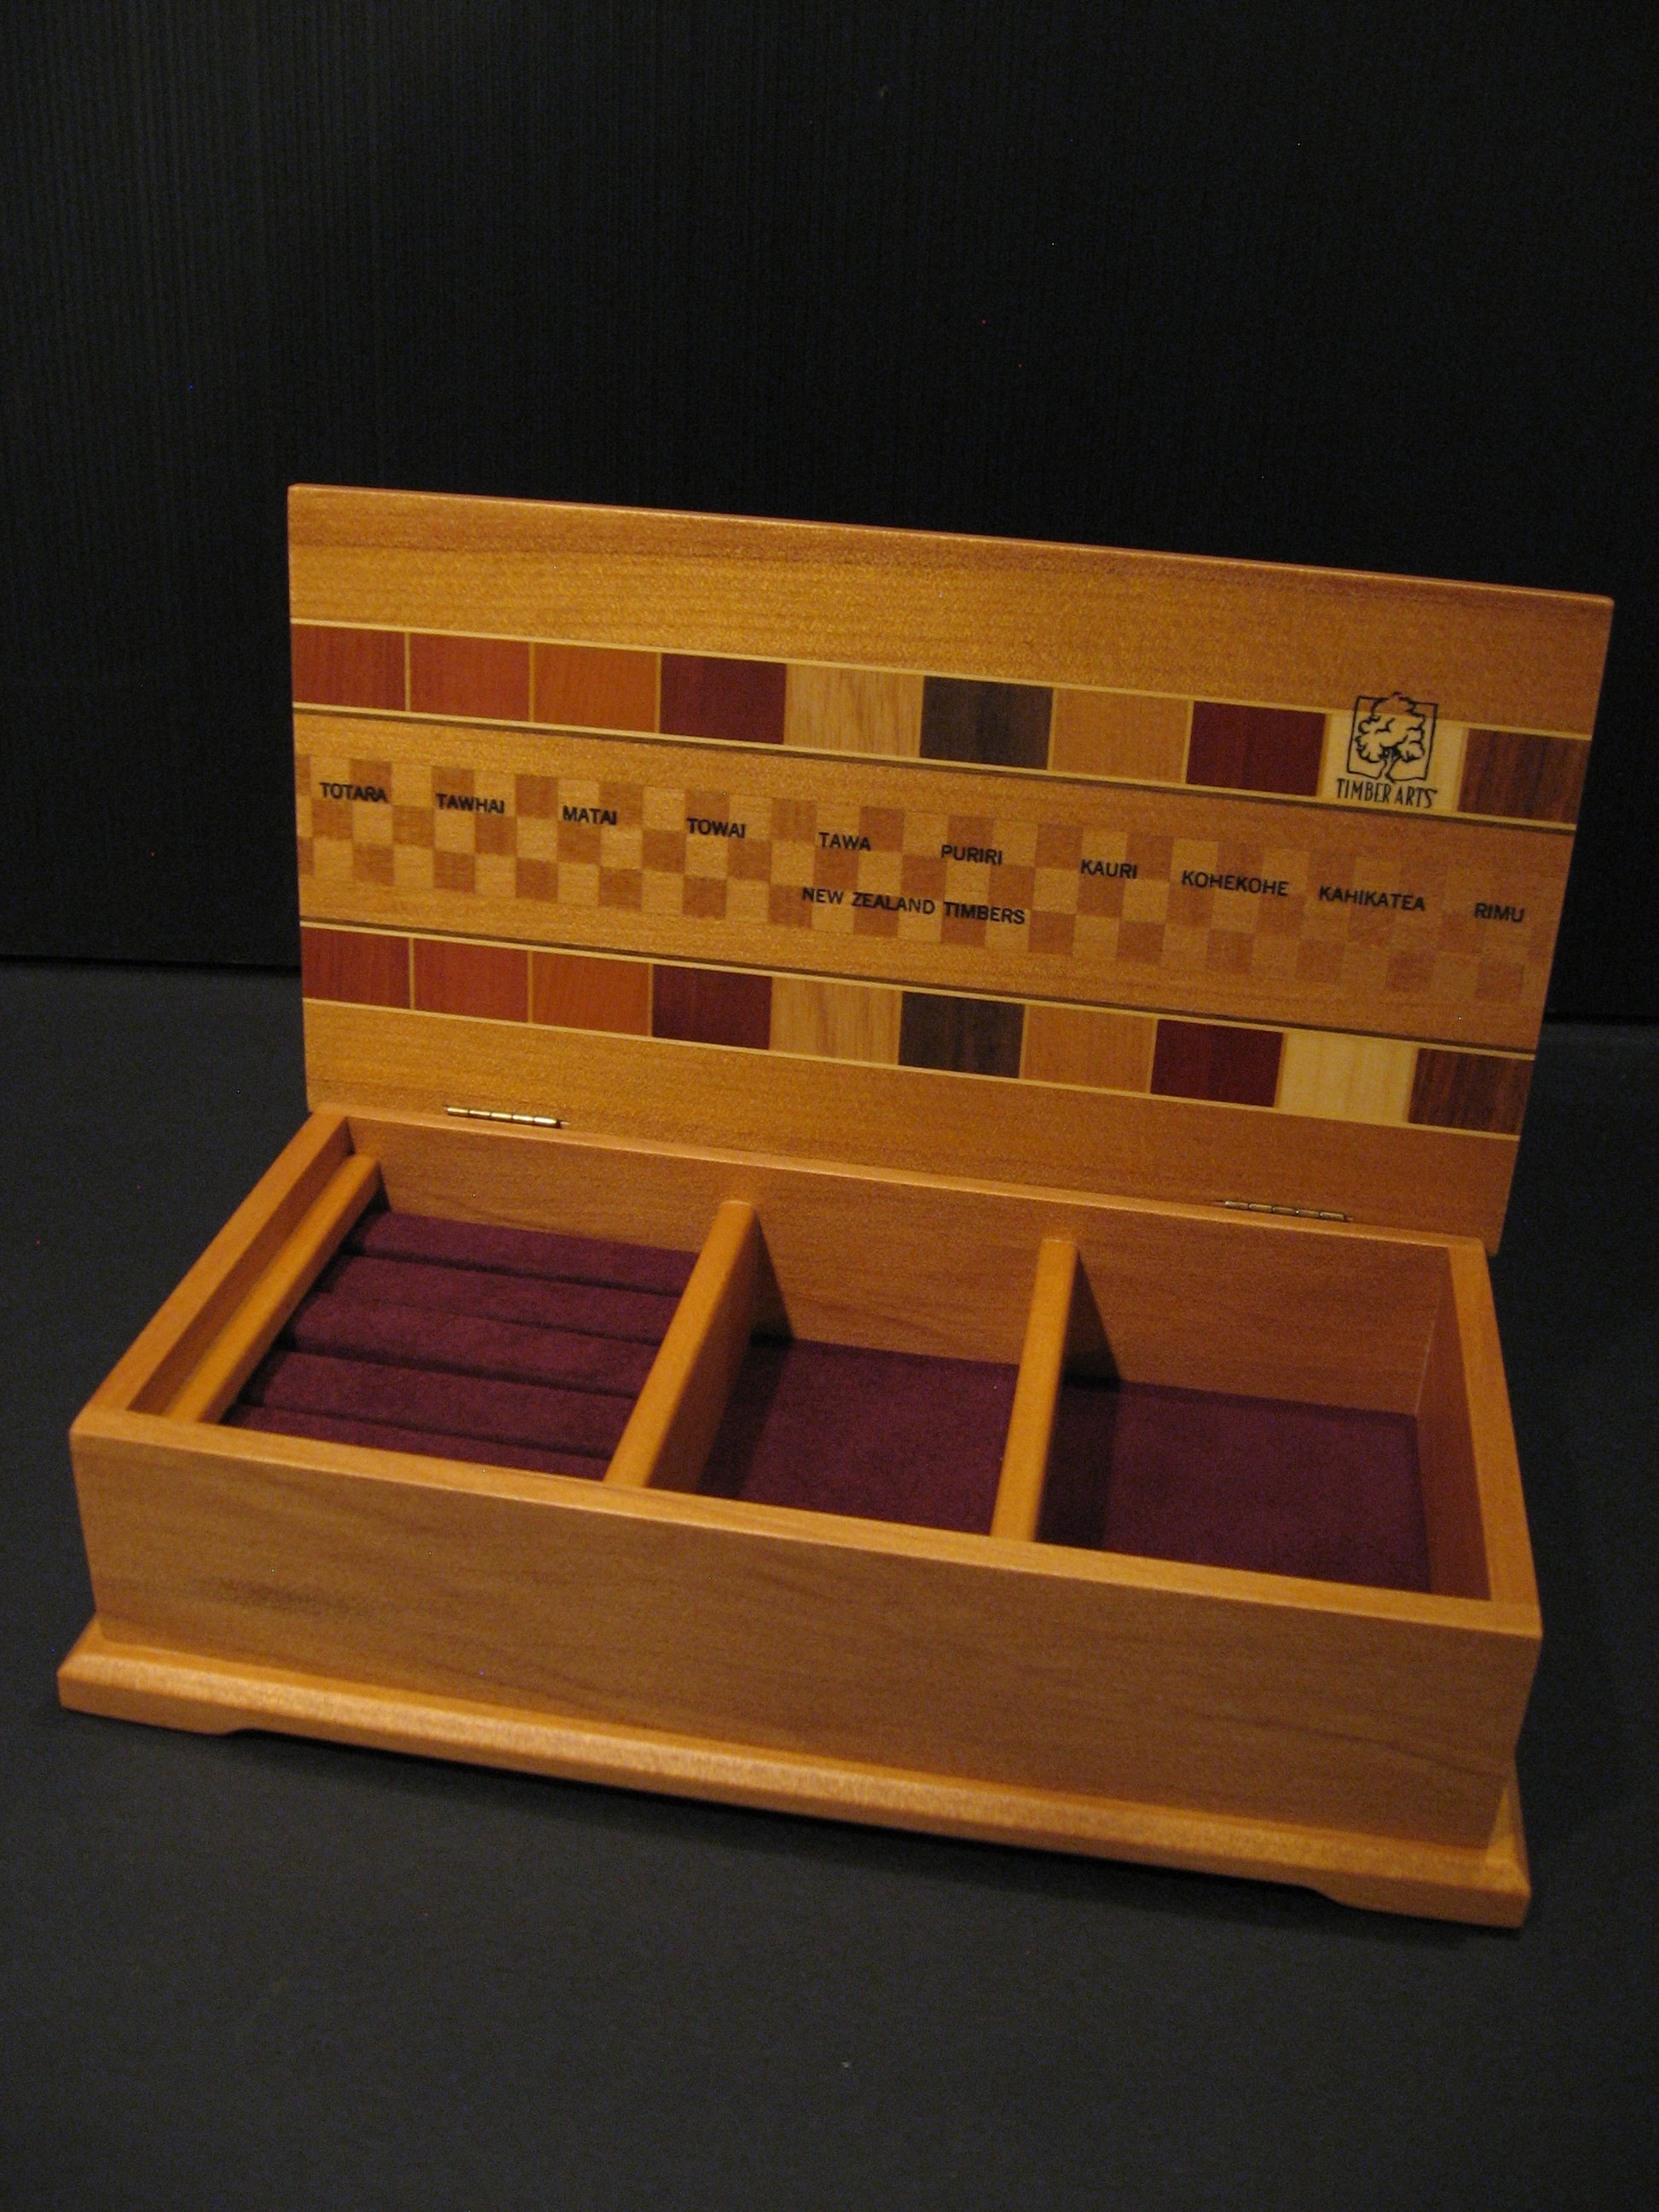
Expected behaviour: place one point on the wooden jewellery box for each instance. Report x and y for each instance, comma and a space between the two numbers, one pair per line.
892, 1223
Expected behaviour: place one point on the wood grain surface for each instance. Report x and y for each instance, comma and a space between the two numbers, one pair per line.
1018, 1505
1391, 1712
677, 1415
846, 1643
1485, 1884
1080, 1044
916, 1118
1349, 1078
1126, 896
1118, 733
584, 687
249, 1333
572, 992
836, 1021
1538, 779
976, 607
850, 710
1195, 1297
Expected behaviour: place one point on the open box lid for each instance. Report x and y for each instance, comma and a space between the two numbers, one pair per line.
1182, 878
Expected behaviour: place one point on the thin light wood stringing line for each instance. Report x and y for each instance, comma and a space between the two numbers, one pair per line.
252, 1329
1030, 1426
677, 1415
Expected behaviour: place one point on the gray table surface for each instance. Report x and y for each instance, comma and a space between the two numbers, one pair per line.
249, 1972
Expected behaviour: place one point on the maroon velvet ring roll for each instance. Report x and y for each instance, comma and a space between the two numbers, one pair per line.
470, 1342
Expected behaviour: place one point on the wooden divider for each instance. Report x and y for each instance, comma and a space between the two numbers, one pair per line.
252, 1328
1025, 1455
677, 1415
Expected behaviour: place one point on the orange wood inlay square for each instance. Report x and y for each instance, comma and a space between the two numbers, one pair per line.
491, 981
1084, 1045
594, 687
488, 677
353, 965
347, 667
573, 992
1121, 734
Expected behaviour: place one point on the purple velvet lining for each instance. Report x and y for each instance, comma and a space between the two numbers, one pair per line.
471, 1343
890, 1435
487, 1344
441, 1404
638, 1316
328, 1430
1323, 1491
498, 1350
522, 1252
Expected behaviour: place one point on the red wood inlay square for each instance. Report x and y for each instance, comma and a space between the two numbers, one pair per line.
738, 700
355, 966
488, 677
347, 667
1206, 1059
1256, 749
492, 981
707, 1006
1470, 1090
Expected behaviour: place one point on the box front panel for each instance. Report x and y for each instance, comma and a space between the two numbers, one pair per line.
1387, 1714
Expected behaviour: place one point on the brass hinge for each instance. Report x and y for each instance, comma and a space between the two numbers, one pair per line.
1299, 1212
489, 1114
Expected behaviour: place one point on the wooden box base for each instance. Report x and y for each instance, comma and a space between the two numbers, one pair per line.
1357, 1740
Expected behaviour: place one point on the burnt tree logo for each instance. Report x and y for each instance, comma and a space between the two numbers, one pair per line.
1392, 739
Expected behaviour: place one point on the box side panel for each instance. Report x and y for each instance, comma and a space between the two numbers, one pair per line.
1507, 1545
943, 1655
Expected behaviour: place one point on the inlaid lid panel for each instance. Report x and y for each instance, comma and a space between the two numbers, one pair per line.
1179, 878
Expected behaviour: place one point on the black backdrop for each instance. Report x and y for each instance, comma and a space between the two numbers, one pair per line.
1350, 285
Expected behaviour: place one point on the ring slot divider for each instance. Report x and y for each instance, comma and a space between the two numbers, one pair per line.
1030, 1426
253, 1327
677, 1415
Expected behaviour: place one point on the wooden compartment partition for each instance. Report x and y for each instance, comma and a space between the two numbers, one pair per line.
1081, 997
